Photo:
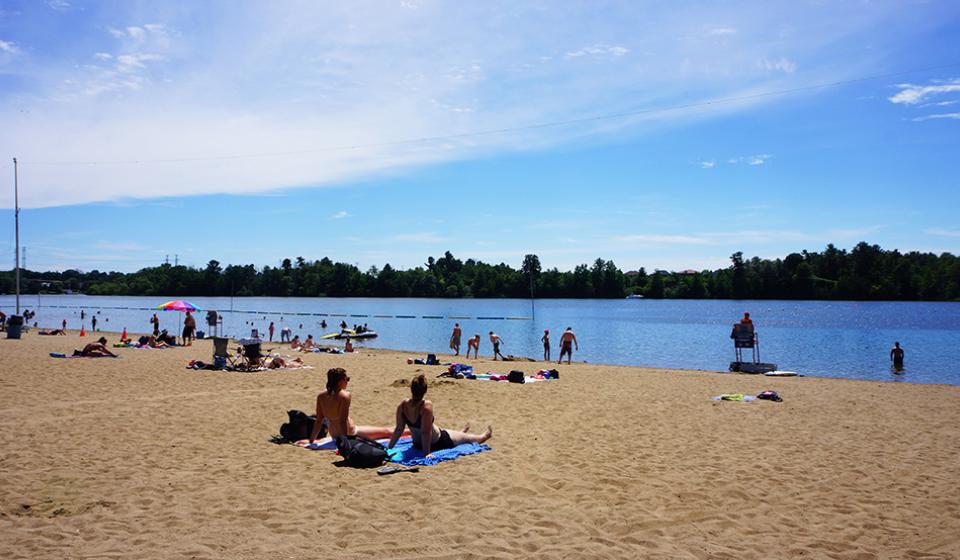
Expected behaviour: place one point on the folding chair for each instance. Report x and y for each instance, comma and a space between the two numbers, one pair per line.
252, 354
221, 356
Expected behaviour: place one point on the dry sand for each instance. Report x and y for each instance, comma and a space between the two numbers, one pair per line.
141, 458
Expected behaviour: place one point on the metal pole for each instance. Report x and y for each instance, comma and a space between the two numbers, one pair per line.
16, 220
533, 311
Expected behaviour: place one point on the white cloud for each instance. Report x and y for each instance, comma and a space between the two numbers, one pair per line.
340, 215
954, 116
911, 94
783, 64
721, 31
58, 4
943, 232
664, 239
269, 96
599, 51
9, 47
708, 164
423, 237
758, 159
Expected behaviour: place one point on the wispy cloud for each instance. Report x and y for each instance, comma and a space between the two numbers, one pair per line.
955, 116
943, 232
912, 94
599, 51
8, 47
422, 237
708, 164
340, 215
758, 159
782, 64
764, 236
143, 99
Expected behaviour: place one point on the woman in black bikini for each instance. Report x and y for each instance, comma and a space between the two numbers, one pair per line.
427, 436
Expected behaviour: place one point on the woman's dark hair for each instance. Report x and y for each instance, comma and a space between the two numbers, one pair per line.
334, 376
418, 387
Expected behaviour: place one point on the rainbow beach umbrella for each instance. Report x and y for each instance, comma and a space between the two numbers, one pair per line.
178, 305
181, 305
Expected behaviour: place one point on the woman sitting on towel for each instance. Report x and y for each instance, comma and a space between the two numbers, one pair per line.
333, 409
417, 413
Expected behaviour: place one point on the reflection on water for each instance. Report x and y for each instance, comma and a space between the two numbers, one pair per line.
839, 339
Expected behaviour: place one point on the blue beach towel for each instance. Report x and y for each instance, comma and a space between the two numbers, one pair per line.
405, 454
59, 355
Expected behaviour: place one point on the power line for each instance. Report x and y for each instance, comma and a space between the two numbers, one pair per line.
581, 120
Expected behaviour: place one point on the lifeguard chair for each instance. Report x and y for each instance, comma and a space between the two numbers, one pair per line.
744, 336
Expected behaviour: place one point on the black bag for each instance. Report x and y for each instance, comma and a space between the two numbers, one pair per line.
554, 374
516, 376
360, 452
432, 360
299, 426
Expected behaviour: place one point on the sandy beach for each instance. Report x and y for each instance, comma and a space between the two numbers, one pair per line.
139, 457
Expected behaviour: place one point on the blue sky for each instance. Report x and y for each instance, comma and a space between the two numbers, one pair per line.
374, 132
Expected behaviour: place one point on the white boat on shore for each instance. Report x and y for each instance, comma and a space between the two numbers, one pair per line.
634, 296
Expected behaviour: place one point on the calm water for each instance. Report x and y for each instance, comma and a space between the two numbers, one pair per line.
833, 339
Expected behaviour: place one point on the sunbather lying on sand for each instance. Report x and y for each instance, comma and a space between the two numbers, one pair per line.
280, 363
54, 332
427, 436
333, 408
96, 349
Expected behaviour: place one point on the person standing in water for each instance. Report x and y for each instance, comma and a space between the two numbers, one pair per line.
455, 338
567, 342
896, 356
496, 341
270, 330
545, 339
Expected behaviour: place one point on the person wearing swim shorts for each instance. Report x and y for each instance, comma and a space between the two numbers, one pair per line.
545, 339
455, 338
896, 356
417, 413
496, 341
568, 341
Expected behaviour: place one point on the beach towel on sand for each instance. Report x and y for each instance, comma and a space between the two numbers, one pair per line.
739, 397
59, 355
405, 454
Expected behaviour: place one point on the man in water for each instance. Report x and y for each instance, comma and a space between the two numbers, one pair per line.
567, 342
455, 338
896, 355
496, 341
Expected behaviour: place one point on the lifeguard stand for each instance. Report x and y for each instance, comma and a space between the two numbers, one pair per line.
744, 336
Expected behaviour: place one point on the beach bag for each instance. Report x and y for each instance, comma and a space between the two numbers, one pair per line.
516, 376
299, 426
770, 396
360, 452
554, 374
432, 360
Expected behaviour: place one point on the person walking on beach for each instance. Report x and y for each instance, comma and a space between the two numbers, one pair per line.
896, 356
455, 339
568, 341
545, 339
496, 341
270, 331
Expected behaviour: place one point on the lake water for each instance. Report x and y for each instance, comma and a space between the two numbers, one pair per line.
821, 338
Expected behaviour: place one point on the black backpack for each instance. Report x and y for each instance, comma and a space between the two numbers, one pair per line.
516, 376
299, 426
360, 452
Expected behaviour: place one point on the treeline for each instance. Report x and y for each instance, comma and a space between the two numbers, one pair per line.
866, 272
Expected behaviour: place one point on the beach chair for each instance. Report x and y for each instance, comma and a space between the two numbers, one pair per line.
252, 354
221, 355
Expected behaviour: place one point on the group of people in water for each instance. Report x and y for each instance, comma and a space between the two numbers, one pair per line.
568, 341
415, 417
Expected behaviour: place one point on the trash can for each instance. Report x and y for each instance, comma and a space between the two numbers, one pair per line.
14, 326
